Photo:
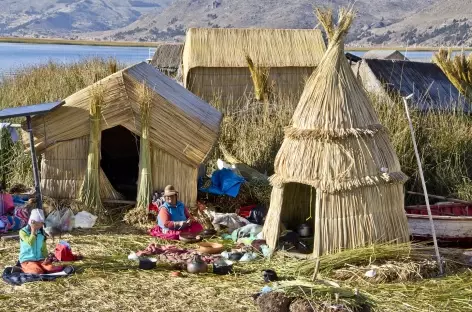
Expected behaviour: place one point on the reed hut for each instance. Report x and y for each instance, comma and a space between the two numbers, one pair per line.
168, 58
385, 55
182, 129
336, 163
215, 63
431, 88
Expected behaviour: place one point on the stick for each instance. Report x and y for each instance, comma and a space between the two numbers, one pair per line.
317, 245
118, 201
433, 231
444, 198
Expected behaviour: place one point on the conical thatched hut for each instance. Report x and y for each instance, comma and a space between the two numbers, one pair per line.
337, 159
168, 58
215, 65
182, 130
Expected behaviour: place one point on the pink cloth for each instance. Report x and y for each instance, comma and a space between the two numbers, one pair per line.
6, 204
156, 231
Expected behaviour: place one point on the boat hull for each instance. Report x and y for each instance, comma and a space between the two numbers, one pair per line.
452, 223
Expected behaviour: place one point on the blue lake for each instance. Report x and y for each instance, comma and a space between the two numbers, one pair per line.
14, 56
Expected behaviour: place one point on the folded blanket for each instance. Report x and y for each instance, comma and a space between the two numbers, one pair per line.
15, 276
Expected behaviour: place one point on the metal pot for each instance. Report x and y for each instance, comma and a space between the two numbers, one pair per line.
304, 230
197, 265
147, 264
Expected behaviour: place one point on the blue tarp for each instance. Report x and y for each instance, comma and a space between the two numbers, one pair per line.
224, 182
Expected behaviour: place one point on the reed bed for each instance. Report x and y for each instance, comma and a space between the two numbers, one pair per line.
106, 280
45, 83
386, 263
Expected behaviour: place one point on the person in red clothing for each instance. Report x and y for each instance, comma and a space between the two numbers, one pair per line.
174, 218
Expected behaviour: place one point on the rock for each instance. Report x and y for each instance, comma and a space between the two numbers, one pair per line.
274, 302
301, 305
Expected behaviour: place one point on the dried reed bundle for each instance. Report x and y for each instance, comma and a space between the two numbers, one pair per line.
260, 79
90, 191
389, 263
457, 69
143, 200
336, 144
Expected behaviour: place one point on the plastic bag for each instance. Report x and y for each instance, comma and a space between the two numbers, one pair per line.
84, 220
61, 219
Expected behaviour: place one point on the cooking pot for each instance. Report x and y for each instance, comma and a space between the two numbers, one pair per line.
147, 263
197, 265
304, 230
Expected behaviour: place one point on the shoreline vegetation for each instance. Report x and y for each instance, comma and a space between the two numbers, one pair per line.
152, 44
133, 44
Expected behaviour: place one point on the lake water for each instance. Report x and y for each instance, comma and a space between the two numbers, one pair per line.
17, 55
14, 56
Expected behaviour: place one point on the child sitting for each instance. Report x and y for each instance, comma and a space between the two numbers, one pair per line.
33, 250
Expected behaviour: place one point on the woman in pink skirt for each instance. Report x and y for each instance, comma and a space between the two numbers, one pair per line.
173, 218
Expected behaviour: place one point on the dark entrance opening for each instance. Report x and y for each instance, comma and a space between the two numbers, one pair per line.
120, 160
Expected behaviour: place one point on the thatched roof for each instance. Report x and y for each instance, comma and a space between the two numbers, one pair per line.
336, 144
384, 55
335, 109
168, 56
228, 47
181, 124
430, 86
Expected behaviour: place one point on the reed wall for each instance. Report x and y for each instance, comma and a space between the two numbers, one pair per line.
228, 84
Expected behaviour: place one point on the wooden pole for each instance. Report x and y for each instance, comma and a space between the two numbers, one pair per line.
34, 160
459, 201
433, 231
317, 232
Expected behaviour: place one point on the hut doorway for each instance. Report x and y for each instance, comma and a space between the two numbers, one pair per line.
120, 160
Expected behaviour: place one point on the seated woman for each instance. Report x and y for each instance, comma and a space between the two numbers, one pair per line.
33, 250
173, 218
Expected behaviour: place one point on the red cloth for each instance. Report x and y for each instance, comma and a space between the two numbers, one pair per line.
245, 211
153, 207
164, 215
156, 231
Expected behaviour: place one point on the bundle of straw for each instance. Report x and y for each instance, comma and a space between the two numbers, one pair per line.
457, 69
336, 144
260, 79
145, 179
90, 190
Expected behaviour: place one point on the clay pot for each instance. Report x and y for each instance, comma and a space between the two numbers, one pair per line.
210, 248
304, 230
197, 265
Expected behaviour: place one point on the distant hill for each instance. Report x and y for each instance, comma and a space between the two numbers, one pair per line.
68, 18
380, 22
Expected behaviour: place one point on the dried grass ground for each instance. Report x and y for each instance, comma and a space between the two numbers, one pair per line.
107, 281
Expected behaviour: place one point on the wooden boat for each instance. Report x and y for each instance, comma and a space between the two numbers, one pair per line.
452, 222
